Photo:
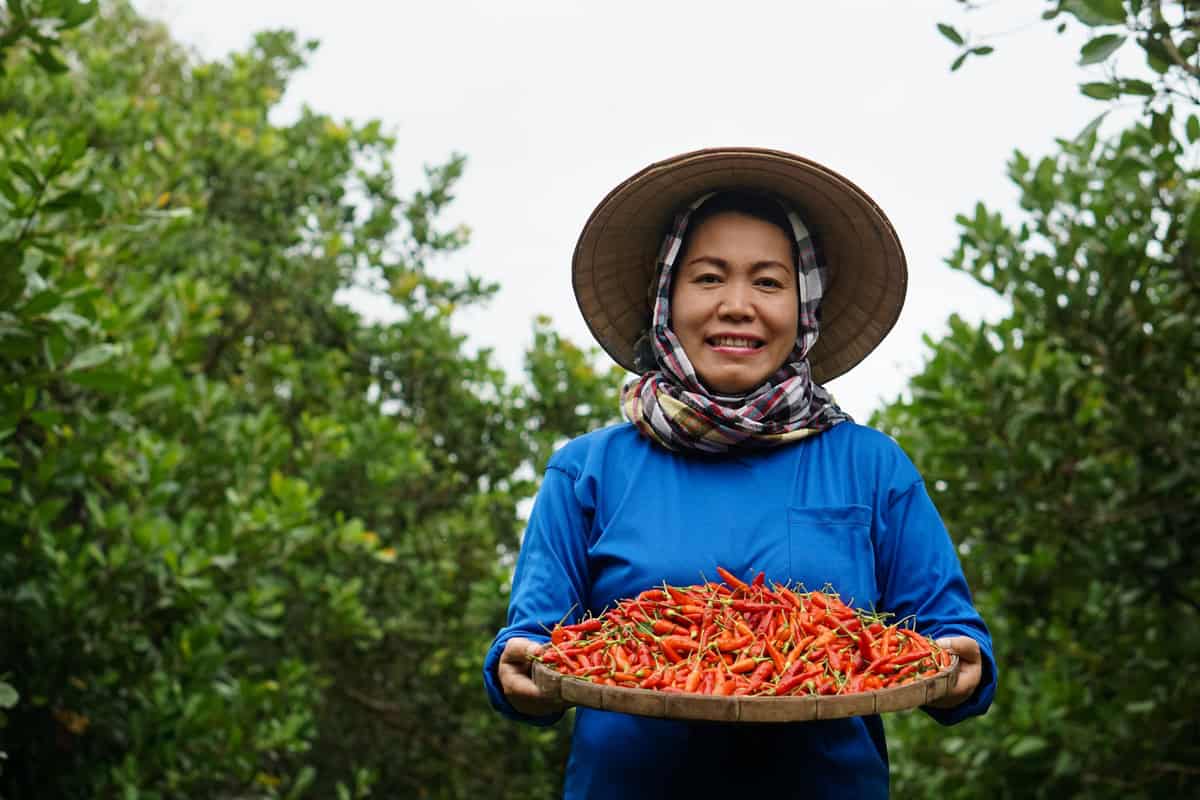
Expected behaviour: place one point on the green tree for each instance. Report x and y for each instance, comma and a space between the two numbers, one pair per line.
252, 544
1059, 446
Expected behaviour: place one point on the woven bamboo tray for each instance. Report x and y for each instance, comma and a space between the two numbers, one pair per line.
669, 705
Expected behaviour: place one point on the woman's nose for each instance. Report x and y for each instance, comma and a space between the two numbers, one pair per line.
735, 302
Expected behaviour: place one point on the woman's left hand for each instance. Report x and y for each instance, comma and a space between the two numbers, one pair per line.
970, 669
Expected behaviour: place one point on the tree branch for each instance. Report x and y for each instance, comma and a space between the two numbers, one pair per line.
1169, 43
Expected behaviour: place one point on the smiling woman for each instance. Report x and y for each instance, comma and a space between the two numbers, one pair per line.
701, 274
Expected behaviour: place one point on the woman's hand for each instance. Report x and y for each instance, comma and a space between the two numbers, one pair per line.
514, 670
970, 670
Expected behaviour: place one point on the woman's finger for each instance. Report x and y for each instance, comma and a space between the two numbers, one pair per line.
514, 671
970, 669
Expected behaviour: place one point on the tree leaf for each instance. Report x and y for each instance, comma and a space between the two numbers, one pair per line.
74, 148
1137, 87
1090, 129
9, 191
104, 380
48, 61
1095, 13
8, 695
958, 62
950, 33
1027, 746
1193, 129
76, 13
1100, 48
41, 303
1160, 127
94, 356
1100, 91
26, 173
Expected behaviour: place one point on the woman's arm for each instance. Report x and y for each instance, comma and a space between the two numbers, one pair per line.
919, 574
550, 585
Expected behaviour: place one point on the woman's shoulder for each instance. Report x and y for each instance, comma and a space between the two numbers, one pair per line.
868, 447
857, 435
576, 454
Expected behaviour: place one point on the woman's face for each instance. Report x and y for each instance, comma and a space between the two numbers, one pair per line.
734, 303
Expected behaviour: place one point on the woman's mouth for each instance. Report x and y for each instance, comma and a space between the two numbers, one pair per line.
740, 344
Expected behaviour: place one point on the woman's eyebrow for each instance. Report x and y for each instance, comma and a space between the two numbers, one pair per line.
716, 262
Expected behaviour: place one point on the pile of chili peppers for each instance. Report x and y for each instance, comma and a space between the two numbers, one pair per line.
738, 638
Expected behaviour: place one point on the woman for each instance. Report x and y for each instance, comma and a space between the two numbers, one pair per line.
735, 455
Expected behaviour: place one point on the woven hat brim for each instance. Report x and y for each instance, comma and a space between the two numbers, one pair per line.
615, 256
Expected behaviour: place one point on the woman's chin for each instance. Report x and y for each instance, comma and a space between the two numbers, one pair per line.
733, 381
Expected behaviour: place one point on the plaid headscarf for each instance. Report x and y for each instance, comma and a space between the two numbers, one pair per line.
670, 405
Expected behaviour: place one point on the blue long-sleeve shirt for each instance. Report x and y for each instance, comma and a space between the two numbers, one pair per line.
617, 514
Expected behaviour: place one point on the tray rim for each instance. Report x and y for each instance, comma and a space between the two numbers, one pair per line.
713, 708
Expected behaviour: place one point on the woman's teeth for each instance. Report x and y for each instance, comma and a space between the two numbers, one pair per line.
734, 341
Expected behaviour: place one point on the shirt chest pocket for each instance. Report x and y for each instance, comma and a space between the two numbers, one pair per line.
833, 546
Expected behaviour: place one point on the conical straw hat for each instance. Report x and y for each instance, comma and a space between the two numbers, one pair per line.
615, 255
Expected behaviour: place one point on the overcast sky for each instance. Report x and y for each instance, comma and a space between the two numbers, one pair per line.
554, 102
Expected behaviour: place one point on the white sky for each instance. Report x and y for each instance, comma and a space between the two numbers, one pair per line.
556, 101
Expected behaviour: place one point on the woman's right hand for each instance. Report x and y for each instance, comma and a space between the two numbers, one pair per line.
515, 672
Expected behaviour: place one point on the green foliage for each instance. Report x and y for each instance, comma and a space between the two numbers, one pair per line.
1167, 32
1060, 447
252, 545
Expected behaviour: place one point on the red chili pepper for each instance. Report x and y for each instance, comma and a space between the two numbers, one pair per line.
788, 685
885, 647
680, 597
909, 670
776, 657
750, 606
790, 596
866, 644
835, 659
761, 674
743, 665
681, 643
759, 579
764, 625
731, 579
586, 626
706, 627
911, 656
665, 626
878, 665
584, 672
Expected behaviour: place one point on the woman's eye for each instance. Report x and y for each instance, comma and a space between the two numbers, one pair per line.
770, 283
710, 278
